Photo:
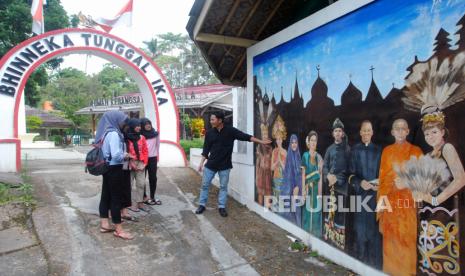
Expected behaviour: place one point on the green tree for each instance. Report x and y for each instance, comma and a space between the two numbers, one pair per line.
33, 122
180, 60
171, 42
115, 81
70, 90
55, 16
15, 23
38, 79
151, 48
74, 21
196, 69
69, 73
15, 27
171, 67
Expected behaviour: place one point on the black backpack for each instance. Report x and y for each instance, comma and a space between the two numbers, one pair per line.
95, 163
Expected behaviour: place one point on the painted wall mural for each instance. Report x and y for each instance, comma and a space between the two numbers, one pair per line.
365, 115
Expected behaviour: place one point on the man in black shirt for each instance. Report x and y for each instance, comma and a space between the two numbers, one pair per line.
217, 150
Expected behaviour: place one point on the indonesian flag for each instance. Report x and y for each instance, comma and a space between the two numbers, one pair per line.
37, 12
124, 17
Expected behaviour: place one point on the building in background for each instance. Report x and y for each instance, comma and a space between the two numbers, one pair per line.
130, 103
195, 101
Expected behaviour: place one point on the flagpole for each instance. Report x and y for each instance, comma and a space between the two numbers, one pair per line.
44, 3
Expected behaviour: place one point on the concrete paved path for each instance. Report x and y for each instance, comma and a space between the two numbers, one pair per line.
170, 239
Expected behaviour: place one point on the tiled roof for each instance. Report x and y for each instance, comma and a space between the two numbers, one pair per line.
49, 119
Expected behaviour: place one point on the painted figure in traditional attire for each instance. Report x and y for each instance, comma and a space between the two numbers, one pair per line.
263, 154
438, 240
433, 86
312, 169
398, 223
335, 169
278, 156
293, 179
364, 164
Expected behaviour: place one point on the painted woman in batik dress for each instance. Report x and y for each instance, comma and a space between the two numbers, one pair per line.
312, 166
278, 156
439, 251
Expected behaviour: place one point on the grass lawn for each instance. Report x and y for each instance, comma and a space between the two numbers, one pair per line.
188, 144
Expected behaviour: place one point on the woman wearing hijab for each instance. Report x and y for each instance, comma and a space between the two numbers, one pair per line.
292, 178
137, 147
126, 202
153, 145
109, 130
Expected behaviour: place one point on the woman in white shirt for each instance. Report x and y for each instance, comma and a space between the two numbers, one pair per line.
153, 144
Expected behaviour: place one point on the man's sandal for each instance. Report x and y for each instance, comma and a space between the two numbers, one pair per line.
123, 235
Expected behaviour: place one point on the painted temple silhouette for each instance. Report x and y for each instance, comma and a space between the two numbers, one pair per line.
319, 113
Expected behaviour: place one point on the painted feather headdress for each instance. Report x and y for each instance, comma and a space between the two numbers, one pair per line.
265, 109
432, 87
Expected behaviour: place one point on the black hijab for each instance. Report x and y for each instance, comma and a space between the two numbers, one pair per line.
134, 136
147, 134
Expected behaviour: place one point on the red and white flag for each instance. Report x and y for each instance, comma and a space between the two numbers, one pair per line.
124, 17
37, 12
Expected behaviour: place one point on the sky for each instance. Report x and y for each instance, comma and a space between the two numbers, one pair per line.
386, 34
150, 17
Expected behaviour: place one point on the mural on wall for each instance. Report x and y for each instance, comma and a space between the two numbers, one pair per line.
368, 107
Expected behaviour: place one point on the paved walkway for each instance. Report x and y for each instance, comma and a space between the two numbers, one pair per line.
170, 239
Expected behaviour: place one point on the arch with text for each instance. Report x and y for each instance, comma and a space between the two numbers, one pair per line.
17, 65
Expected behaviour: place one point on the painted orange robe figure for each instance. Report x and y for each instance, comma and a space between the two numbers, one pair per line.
399, 226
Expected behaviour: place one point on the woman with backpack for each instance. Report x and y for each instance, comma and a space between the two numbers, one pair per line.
113, 148
153, 145
137, 148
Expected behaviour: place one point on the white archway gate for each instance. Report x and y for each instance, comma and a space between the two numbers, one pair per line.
22, 60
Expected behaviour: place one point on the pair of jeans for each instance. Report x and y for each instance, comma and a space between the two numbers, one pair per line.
112, 187
207, 181
151, 169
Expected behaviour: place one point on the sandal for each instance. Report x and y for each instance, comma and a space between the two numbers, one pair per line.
106, 230
123, 235
133, 210
134, 219
153, 202
150, 202
145, 210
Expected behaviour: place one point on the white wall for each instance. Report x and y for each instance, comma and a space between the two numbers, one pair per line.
22, 116
8, 151
242, 177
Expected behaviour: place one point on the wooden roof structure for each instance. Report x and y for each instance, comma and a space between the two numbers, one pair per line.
49, 119
224, 29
